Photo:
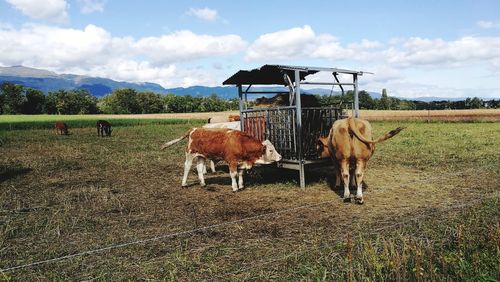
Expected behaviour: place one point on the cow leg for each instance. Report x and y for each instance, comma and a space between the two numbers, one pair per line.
240, 178
204, 168
187, 167
360, 171
200, 166
337, 176
344, 171
233, 171
212, 166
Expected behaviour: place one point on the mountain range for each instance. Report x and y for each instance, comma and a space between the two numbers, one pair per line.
46, 81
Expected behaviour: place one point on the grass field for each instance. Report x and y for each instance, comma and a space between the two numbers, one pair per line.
431, 209
11, 122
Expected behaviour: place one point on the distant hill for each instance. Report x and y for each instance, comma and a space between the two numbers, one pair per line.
46, 81
49, 81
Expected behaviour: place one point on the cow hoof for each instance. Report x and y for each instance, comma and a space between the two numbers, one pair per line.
359, 201
184, 186
203, 185
347, 200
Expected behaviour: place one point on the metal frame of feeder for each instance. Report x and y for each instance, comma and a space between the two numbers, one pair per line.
293, 137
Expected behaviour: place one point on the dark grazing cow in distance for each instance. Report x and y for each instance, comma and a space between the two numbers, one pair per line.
61, 128
103, 128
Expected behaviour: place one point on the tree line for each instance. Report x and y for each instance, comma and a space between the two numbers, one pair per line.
17, 99
386, 102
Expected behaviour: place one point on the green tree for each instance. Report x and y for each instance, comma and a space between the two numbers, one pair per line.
365, 100
475, 103
121, 101
70, 102
149, 102
385, 100
13, 97
407, 105
34, 103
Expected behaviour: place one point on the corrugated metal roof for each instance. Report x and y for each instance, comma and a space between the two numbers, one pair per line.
273, 74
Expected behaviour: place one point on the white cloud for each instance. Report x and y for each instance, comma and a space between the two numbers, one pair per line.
51, 10
206, 14
94, 51
439, 53
186, 45
281, 45
489, 24
408, 89
304, 43
91, 6
46, 46
382, 74
365, 44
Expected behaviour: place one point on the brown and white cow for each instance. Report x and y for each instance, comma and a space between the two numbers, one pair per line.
350, 143
61, 128
240, 150
236, 125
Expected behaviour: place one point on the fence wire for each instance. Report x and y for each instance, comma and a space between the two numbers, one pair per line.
218, 225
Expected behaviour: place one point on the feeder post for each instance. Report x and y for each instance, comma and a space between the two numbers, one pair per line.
356, 98
298, 111
240, 95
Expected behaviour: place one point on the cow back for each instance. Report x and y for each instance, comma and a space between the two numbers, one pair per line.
346, 145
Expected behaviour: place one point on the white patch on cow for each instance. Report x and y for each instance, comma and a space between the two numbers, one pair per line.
245, 165
190, 140
240, 179
200, 166
270, 155
234, 185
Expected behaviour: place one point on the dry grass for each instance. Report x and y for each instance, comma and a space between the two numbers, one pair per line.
433, 115
61, 195
372, 115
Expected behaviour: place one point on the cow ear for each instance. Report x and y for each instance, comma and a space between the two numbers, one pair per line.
264, 149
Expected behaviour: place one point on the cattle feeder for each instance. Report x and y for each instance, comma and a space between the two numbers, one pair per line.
293, 129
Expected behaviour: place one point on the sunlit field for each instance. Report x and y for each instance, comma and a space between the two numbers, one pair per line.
80, 207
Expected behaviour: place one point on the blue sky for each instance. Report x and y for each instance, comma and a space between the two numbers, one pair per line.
415, 48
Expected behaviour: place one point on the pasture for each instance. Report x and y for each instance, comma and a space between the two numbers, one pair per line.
431, 209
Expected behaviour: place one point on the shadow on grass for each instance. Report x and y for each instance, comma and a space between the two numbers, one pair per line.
8, 172
270, 175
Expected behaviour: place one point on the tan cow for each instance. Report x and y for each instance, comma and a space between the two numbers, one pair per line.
350, 143
240, 150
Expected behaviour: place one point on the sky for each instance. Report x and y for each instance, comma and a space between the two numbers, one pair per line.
446, 48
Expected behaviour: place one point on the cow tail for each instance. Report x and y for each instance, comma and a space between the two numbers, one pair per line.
170, 143
354, 129
389, 134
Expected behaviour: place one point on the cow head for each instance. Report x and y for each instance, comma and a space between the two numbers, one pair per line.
322, 147
269, 154
65, 129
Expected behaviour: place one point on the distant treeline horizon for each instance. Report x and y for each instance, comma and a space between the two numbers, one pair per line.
17, 99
